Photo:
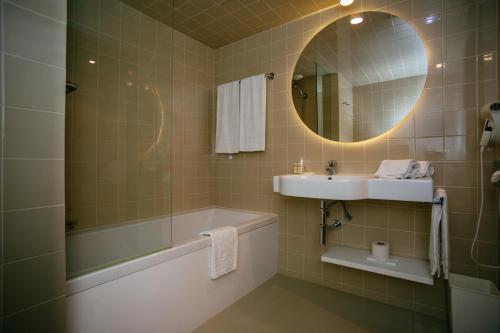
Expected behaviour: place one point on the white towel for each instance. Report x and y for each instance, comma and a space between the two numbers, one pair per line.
224, 256
439, 258
399, 169
253, 113
426, 169
228, 118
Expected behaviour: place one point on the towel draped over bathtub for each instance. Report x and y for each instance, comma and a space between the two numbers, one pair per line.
224, 253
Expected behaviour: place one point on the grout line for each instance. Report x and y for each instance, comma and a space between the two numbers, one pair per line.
31, 159
34, 306
12, 55
12, 262
478, 117
2, 151
31, 208
33, 12
21, 108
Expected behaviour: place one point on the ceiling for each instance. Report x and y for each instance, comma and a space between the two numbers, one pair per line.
216, 23
382, 48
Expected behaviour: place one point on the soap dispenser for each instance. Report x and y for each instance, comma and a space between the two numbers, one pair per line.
298, 168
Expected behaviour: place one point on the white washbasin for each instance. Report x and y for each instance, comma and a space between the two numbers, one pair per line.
338, 187
353, 187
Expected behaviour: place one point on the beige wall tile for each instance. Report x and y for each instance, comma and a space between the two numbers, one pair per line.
48, 317
33, 281
33, 232
352, 235
33, 134
401, 149
459, 45
402, 242
401, 219
376, 216
352, 277
377, 150
429, 124
48, 36
33, 183
460, 19
429, 149
42, 81
375, 282
53, 9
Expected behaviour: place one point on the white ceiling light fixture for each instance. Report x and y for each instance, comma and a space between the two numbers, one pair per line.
346, 2
488, 57
356, 19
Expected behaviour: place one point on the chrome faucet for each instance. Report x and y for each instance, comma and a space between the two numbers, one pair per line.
332, 167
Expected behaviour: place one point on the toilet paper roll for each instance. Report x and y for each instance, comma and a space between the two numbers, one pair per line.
380, 250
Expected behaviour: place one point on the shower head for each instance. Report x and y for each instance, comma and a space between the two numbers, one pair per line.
302, 93
298, 77
70, 87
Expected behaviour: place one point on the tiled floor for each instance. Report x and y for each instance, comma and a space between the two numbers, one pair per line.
288, 305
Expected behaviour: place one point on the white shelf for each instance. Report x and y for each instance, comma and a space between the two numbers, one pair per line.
404, 268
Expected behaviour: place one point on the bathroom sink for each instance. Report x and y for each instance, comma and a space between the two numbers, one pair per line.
353, 187
337, 187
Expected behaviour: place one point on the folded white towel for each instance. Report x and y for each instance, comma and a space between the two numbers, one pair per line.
426, 169
439, 260
253, 113
224, 256
398, 169
228, 118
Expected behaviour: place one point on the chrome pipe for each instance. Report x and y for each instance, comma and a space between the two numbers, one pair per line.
324, 222
325, 212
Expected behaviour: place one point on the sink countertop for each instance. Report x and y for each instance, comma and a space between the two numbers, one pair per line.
354, 187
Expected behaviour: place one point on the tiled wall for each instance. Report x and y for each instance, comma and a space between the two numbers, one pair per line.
380, 106
443, 129
119, 119
192, 167
32, 205
345, 111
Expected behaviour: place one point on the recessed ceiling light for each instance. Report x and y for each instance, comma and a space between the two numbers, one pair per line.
356, 19
91, 61
439, 65
346, 2
431, 19
488, 57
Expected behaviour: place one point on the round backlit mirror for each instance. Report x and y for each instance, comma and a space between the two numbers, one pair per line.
359, 76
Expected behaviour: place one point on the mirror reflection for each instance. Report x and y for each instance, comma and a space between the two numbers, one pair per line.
359, 76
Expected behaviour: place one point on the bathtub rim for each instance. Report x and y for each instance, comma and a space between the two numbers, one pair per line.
104, 275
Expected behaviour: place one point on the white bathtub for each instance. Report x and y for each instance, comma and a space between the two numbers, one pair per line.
170, 290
